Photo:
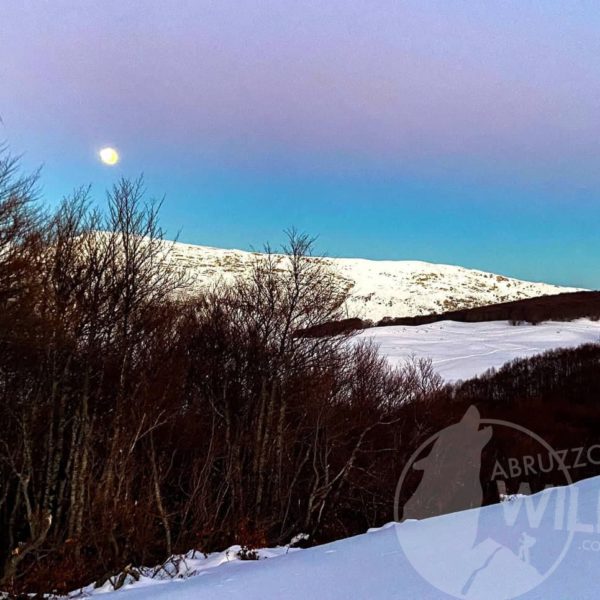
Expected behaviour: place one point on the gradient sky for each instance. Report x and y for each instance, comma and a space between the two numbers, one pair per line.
457, 132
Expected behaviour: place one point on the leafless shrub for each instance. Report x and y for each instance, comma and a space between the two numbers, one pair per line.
137, 422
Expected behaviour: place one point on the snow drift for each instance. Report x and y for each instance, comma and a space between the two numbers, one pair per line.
382, 565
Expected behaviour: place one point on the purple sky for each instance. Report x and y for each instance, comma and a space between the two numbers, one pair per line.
460, 132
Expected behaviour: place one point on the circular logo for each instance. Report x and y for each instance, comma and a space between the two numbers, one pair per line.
499, 551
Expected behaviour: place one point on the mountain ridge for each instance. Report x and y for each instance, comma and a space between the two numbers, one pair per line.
377, 288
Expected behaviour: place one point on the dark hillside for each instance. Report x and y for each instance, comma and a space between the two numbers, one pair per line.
560, 307
554, 395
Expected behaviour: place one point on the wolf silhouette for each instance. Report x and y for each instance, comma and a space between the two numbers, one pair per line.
473, 569
451, 471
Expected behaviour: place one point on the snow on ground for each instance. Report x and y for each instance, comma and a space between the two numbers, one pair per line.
404, 561
464, 350
178, 568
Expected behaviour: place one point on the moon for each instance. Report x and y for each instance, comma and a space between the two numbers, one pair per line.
109, 156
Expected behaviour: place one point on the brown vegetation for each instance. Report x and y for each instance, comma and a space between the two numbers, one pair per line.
138, 419
558, 307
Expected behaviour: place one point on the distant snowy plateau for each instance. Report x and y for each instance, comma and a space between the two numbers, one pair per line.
378, 288
465, 350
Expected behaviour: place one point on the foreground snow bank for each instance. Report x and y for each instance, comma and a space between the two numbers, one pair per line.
381, 563
177, 568
465, 350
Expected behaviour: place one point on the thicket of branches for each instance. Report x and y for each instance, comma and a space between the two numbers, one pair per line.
138, 418
141, 418
554, 395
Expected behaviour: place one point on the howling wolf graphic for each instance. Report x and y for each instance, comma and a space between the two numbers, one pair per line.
451, 471
459, 564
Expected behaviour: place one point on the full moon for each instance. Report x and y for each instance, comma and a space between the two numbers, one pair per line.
109, 156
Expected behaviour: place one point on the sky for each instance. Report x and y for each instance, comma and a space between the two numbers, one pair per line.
448, 131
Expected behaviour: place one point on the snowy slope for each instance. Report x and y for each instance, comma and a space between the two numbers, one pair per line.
385, 564
464, 350
380, 288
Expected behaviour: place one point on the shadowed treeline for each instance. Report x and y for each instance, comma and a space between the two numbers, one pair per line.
559, 307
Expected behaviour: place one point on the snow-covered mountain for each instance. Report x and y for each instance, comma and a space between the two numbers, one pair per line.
380, 288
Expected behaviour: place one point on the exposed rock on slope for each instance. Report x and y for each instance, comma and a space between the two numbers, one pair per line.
380, 288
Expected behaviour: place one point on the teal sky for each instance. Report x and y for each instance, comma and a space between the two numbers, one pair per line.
456, 132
